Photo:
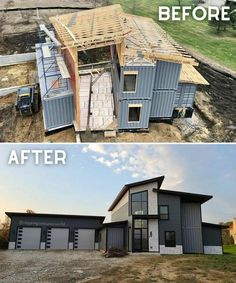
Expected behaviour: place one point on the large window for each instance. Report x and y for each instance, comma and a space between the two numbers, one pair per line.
170, 239
164, 212
130, 81
140, 243
139, 203
134, 113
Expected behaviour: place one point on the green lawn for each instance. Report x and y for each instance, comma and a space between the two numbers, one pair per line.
199, 36
230, 249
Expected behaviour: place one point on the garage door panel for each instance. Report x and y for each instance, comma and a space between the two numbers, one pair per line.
57, 238
28, 238
84, 239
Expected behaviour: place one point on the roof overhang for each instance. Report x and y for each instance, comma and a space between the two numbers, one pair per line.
191, 76
186, 197
126, 187
215, 225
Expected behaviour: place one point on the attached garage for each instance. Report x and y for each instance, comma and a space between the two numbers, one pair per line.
84, 239
54, 231
57, 239
28, 238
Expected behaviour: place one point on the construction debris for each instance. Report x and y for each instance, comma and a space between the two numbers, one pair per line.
115, 253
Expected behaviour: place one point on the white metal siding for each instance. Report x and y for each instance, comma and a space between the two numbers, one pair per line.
28, 238
84, 239
57, 238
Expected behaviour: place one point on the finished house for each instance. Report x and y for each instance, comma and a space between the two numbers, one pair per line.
105, 70
144, 218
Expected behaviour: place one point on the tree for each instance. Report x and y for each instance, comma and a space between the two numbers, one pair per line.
4, 232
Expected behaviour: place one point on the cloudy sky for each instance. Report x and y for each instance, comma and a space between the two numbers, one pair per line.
94, 174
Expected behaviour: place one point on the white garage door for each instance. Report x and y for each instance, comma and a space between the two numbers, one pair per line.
84, 239
57, 238
28, 238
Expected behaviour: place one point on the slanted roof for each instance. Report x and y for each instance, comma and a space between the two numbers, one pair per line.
190, 75
24, 214
191, 197
138, 37
91, 29
126, 187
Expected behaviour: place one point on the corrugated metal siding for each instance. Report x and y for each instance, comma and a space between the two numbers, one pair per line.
167, 75
145, 82
162, 104
115, 238
174, 222
185, 95
192, 228
102, 242
58, 111
124, 111
211, 236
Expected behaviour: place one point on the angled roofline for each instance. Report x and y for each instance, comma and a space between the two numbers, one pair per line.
215, 225
159, 181
196, 197
12, 214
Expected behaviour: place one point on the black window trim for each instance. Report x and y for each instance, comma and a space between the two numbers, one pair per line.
131, 209
168, 246
159, 211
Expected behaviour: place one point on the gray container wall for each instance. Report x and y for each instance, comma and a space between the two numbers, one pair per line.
51, 222
115, 238
174, 222
103, 239
192, 228
124, 111
58, 111
145, 82
185, 95
162, 104
211, 236
167, 76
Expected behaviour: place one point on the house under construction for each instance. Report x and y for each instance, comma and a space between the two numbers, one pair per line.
103, 69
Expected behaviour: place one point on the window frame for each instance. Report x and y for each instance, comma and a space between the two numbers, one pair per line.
168, 214
174, 241
135, 106
130, 73
131, 202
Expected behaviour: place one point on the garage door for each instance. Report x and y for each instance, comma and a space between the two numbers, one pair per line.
84, 239
57, 238
28, 238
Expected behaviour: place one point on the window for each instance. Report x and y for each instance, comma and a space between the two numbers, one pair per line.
164, 212
140, 235
134, 113
130, 81
139, 203
170, 239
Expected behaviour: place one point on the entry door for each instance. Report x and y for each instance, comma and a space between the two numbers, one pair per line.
140, 235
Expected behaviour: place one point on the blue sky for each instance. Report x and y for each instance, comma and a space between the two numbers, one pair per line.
94, 174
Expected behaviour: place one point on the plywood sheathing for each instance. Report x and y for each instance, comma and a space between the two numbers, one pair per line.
190, 75
91, 29
136, 38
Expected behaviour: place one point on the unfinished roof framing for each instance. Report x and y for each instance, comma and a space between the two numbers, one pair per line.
135, 37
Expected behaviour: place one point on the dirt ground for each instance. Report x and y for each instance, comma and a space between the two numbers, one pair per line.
71, 266
215, 105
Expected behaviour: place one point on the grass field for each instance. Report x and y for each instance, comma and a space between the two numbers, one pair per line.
230, 249
198, 36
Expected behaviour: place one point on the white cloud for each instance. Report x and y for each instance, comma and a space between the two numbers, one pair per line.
98, 148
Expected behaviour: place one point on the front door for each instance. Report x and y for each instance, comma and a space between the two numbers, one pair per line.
140, 235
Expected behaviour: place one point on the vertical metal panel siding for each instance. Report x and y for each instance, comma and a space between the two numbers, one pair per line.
58, 111
185, 95
167, 75
162, 104
115, 238
124, 111
102, 243
192, 228
174, 222
145, 81
211, 236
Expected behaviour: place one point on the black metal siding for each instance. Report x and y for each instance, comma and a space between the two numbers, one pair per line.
174, 222
211, 236
192, 228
